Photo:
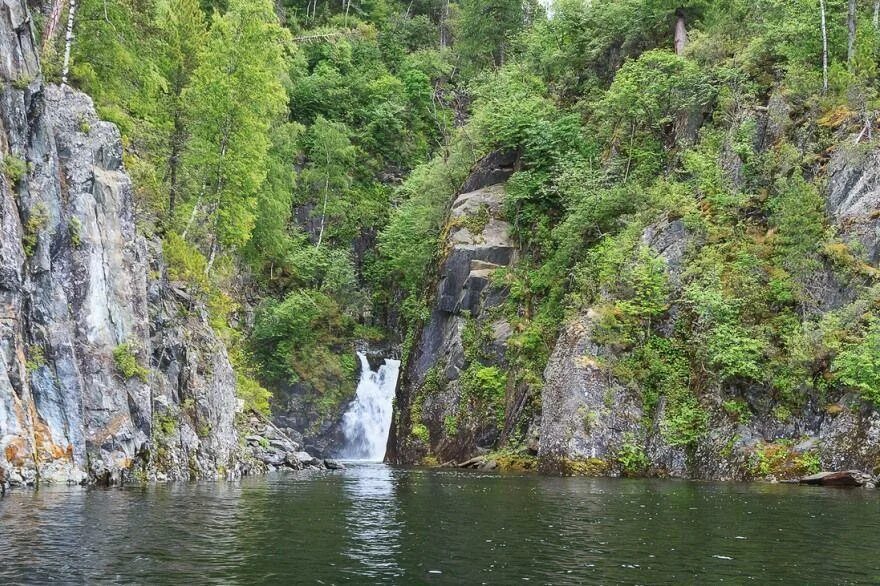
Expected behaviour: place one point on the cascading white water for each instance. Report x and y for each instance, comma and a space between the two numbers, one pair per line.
368, 419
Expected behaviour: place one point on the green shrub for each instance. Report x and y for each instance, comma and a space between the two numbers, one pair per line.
185, 263
126, 360
36, 358
36, 222
13, 168
857, 366
254, 395
684, 423
74, 230
632, 458
420, 432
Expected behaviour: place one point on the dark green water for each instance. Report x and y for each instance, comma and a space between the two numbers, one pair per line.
373, 524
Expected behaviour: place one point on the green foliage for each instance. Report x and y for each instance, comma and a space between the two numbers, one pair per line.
649, 92
185, 262
858, 364
36, 358
74, 230
420, 432
738, 410
484, 28
297, 340
233, 96
632, 458
126, 360
38, 219
13, 168
485, 387
684, 423
409, 242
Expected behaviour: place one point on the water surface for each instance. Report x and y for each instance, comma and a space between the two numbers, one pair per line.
374, 524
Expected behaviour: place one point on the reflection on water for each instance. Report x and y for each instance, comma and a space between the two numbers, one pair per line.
374, 530
374, 524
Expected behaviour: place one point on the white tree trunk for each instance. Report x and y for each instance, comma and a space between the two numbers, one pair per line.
851, 30
324, 211
824, 47
444, 26
876, 14
68, 41
681, 35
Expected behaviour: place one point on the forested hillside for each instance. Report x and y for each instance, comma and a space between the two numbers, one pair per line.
298, 161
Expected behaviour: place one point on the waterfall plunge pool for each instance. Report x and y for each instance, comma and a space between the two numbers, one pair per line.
375, 524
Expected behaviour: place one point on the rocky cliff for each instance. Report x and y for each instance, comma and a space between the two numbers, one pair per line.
436, 411
110, 371
592, 421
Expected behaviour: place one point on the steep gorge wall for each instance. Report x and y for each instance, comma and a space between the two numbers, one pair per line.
109, 370
593, 423
434, 414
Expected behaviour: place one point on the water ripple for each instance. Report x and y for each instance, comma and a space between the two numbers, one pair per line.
373, 524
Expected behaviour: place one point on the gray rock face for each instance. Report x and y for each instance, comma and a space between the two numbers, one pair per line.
587, 416
478, 243
854, 200
76, 300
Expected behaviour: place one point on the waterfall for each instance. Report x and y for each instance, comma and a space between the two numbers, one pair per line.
368, 419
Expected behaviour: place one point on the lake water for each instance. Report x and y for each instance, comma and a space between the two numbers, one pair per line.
375, 524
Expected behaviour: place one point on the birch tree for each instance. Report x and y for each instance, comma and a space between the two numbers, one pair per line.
183, 26
851, 31
68, 41
234, 97
824, 29
331, 156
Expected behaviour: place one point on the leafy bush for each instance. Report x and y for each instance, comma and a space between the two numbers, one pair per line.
126, 360
13, 168
37, 221
632, 458
858, 364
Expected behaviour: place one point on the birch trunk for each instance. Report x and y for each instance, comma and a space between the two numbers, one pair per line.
851, 32
824, 47
68, 42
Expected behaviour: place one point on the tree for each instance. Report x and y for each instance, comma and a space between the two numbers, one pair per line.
680, 32
234, 96
183, 28
68, 41
824, 46
485, 26
331, 156
851, 31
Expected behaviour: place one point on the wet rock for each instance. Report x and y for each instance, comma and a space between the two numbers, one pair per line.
307, 459
844, 478
333, 464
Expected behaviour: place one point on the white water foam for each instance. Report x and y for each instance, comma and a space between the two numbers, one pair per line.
368, 420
